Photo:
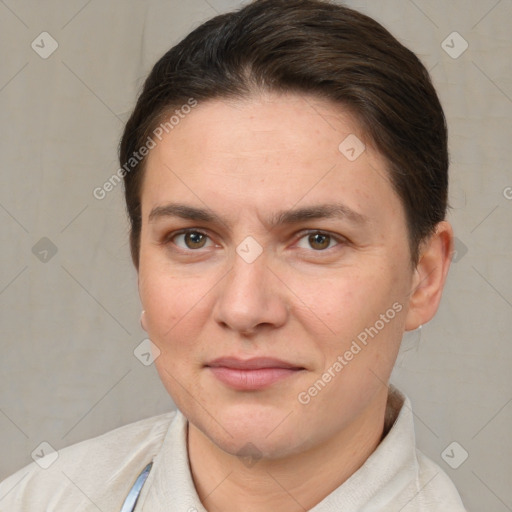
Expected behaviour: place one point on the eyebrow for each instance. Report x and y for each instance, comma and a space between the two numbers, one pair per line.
283, 217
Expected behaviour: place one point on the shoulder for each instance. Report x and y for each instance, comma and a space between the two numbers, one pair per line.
75, 476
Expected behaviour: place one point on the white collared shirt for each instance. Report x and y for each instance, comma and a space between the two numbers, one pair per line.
97, 474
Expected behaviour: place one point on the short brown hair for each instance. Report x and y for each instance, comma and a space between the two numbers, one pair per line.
314, 47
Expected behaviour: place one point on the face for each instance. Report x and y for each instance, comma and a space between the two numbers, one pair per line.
274, 271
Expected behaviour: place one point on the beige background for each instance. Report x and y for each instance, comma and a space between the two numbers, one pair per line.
69, 324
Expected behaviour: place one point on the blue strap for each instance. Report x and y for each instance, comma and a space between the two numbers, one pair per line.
133, 495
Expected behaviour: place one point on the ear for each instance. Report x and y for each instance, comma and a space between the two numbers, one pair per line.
429, 276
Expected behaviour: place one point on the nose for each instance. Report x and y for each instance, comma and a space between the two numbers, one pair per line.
251, 297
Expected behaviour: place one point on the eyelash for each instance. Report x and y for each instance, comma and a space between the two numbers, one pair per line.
338, 239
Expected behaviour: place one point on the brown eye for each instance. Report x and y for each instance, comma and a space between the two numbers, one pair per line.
195, 240
190, 240
319, 241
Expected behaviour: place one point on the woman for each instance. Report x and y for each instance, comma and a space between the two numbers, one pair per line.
286, 182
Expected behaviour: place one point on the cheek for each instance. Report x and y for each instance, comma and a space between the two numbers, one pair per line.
345, 300
174, 315
170, 302
364, 306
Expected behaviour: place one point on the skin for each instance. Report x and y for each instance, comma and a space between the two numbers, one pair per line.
301, 300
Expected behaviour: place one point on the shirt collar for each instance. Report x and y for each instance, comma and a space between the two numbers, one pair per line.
387, 471
384, 474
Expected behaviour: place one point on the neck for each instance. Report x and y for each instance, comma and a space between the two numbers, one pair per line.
295, 483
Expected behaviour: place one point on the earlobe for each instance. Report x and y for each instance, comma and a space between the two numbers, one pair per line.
430, 276
143, 312
143, 320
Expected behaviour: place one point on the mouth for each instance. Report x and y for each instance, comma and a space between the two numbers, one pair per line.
252, 374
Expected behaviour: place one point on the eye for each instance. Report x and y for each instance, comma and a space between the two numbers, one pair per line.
192, 239
318, 240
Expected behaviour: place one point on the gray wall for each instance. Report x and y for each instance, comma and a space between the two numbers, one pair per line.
70, 320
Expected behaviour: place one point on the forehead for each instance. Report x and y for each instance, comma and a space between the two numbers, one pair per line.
263, 124
268, 151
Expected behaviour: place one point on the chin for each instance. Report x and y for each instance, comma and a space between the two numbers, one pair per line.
254, 432
255, 446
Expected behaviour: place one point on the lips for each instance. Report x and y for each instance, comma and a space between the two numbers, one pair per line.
251, 374
255, 363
